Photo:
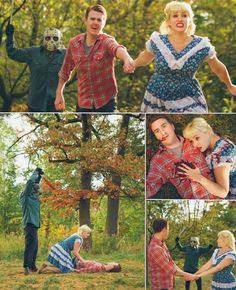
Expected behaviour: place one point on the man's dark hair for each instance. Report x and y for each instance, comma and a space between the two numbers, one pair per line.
159, 225
116, 268
97, 8
153, 118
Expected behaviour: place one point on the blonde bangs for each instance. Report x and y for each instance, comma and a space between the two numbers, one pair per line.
176, 6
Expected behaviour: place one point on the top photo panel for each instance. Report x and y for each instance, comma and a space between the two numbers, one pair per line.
121, 56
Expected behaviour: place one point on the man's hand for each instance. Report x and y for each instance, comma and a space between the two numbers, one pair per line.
9, 29
189, 277
59, 102
129, 66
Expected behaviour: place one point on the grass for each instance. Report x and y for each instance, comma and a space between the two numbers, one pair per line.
180, 284
131, 277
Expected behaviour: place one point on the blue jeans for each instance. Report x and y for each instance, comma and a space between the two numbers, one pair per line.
109, 107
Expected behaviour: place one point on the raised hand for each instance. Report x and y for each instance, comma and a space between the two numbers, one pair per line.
9, 29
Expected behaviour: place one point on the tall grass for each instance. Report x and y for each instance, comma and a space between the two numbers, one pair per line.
12, 247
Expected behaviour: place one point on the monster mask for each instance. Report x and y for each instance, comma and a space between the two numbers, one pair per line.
52, 39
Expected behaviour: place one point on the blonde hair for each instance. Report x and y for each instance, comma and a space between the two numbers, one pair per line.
84, 228
196, 125
229, 238
175, 6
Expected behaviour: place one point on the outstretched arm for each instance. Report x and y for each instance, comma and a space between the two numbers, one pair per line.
224, 263
221, 71
144, 58
205, 267
123, 54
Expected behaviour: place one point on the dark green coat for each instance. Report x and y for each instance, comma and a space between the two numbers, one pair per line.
192, 255
30, 202
44, 70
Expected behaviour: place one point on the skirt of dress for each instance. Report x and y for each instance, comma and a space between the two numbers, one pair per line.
152, 104
61, 258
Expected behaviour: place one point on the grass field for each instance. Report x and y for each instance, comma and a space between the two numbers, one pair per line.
131, 277
180, 284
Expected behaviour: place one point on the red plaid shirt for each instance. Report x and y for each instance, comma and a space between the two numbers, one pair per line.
163, 169
95, 71
161, 265
90, 267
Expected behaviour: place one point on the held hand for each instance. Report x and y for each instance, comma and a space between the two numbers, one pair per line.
232, 90
192, 173
189, 277
129, 66
9, 29
59, 102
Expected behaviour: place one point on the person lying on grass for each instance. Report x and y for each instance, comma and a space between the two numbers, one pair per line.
85, 267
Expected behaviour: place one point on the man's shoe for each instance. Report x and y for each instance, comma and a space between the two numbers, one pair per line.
26, 271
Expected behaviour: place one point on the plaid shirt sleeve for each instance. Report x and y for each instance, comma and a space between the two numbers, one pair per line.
159, 257
112, 45
156, 177
67, 66
90, 267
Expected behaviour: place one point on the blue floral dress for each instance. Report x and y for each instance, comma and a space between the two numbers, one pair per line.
224, 152
60, 254
223, 279
173, 87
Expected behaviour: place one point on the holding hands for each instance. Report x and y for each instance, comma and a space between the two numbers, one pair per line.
129, 66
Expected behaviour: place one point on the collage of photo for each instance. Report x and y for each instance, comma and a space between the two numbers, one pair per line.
117, 149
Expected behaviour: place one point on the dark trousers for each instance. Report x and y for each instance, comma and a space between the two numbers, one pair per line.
31, 246
50, 108
109, 107
198, 282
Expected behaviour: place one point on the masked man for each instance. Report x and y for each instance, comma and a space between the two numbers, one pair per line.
30, 204
44, 62
192, 253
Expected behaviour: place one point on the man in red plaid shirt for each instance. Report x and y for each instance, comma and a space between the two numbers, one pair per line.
161, 266
164, 164
93, 55
94, 266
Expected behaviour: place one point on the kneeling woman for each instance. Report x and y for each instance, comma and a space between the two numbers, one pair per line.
60, 254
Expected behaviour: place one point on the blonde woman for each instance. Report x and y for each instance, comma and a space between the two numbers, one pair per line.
178, 54
221, 263
220, 156
60, 254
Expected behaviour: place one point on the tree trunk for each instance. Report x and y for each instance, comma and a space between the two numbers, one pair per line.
86, 176
113, 200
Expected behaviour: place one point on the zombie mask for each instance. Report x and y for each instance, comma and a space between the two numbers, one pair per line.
52, 39
194, 242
